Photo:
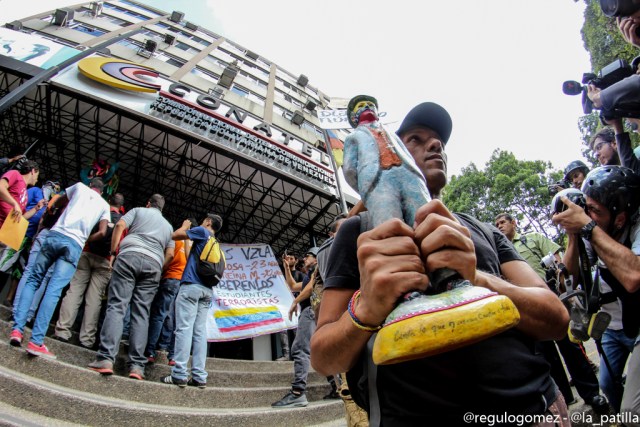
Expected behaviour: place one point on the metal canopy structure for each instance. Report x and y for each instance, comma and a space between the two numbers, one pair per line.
259, 204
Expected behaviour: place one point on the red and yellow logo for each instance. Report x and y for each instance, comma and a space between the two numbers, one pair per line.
118, 73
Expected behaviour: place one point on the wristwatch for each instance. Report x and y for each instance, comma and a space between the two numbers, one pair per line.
113, 253
586, 232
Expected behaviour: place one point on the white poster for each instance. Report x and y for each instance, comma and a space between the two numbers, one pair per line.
252, 299
33, 49
337, 119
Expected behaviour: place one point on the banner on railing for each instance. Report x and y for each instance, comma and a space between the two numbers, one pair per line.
253, 298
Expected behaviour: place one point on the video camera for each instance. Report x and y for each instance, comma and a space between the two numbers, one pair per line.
563, 184
619, 8
613, 73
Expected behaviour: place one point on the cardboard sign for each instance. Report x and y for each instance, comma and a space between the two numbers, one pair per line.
12, 233
252, 299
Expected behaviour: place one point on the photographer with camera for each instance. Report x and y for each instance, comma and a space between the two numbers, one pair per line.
575, 173
534, 247
609, 224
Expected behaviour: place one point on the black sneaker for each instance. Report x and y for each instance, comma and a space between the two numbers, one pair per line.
61, 339
332, 395
291, 400
194, 383
599, 404
170, 380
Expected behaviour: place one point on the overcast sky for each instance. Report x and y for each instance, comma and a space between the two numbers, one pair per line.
496, 65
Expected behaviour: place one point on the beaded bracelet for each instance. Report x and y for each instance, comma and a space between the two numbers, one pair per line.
355, 319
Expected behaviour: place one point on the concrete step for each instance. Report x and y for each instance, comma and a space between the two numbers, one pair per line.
254, 375
11, 416
153, 392
54, 400
213, 363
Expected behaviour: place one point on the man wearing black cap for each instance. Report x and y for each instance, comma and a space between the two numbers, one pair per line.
503, 374
306, 326
425, 132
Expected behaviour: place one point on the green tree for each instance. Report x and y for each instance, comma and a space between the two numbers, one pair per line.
506, 184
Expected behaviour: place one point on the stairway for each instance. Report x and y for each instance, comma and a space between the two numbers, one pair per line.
37, 392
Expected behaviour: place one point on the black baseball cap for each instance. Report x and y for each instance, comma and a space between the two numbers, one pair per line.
431, 115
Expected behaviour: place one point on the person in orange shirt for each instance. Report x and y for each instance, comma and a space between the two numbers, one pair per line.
162, 306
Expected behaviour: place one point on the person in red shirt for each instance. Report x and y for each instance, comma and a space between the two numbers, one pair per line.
13, 191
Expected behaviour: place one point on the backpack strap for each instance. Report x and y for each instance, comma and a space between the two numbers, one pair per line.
365, 221
369, 367
372, 384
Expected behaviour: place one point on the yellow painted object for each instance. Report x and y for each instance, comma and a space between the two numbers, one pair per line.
119, 73
433, 324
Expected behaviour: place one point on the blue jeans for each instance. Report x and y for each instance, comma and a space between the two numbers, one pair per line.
192, 306
617, 347
167, 336
61, 253
37, 297
167, 292
301, 349
134, 282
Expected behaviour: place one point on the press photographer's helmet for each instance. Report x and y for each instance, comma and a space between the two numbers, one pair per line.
615, 187
576, 164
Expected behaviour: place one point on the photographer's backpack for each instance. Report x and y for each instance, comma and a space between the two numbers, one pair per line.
211, 263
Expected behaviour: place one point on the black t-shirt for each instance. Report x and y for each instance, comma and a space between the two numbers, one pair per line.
307, 301
504, 373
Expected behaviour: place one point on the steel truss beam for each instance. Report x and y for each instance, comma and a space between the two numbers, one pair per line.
196, 176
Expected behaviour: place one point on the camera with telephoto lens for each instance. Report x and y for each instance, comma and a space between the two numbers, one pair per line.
619, 8
548, 261
613, 73
573, 194
558, 186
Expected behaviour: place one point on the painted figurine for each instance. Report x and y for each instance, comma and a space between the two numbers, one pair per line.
379, 167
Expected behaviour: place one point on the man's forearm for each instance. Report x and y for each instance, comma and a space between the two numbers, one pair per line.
169, 254
336, 344
305, 293
5, 196
117, 234
625, 151
542, 315
570, 258
620, 260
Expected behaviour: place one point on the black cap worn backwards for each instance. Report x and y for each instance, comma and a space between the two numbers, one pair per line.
431, 115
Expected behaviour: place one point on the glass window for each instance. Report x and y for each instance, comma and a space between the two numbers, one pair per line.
215, 61
175, 62
251, 96
88, 30
253, 79
205, 75
130, 44
138, 7
115, 20
186, 47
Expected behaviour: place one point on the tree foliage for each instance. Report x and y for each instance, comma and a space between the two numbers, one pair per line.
506, 185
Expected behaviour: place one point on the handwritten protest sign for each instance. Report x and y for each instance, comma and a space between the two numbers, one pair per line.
252, 299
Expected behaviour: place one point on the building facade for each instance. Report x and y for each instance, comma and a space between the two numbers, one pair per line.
161, 104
